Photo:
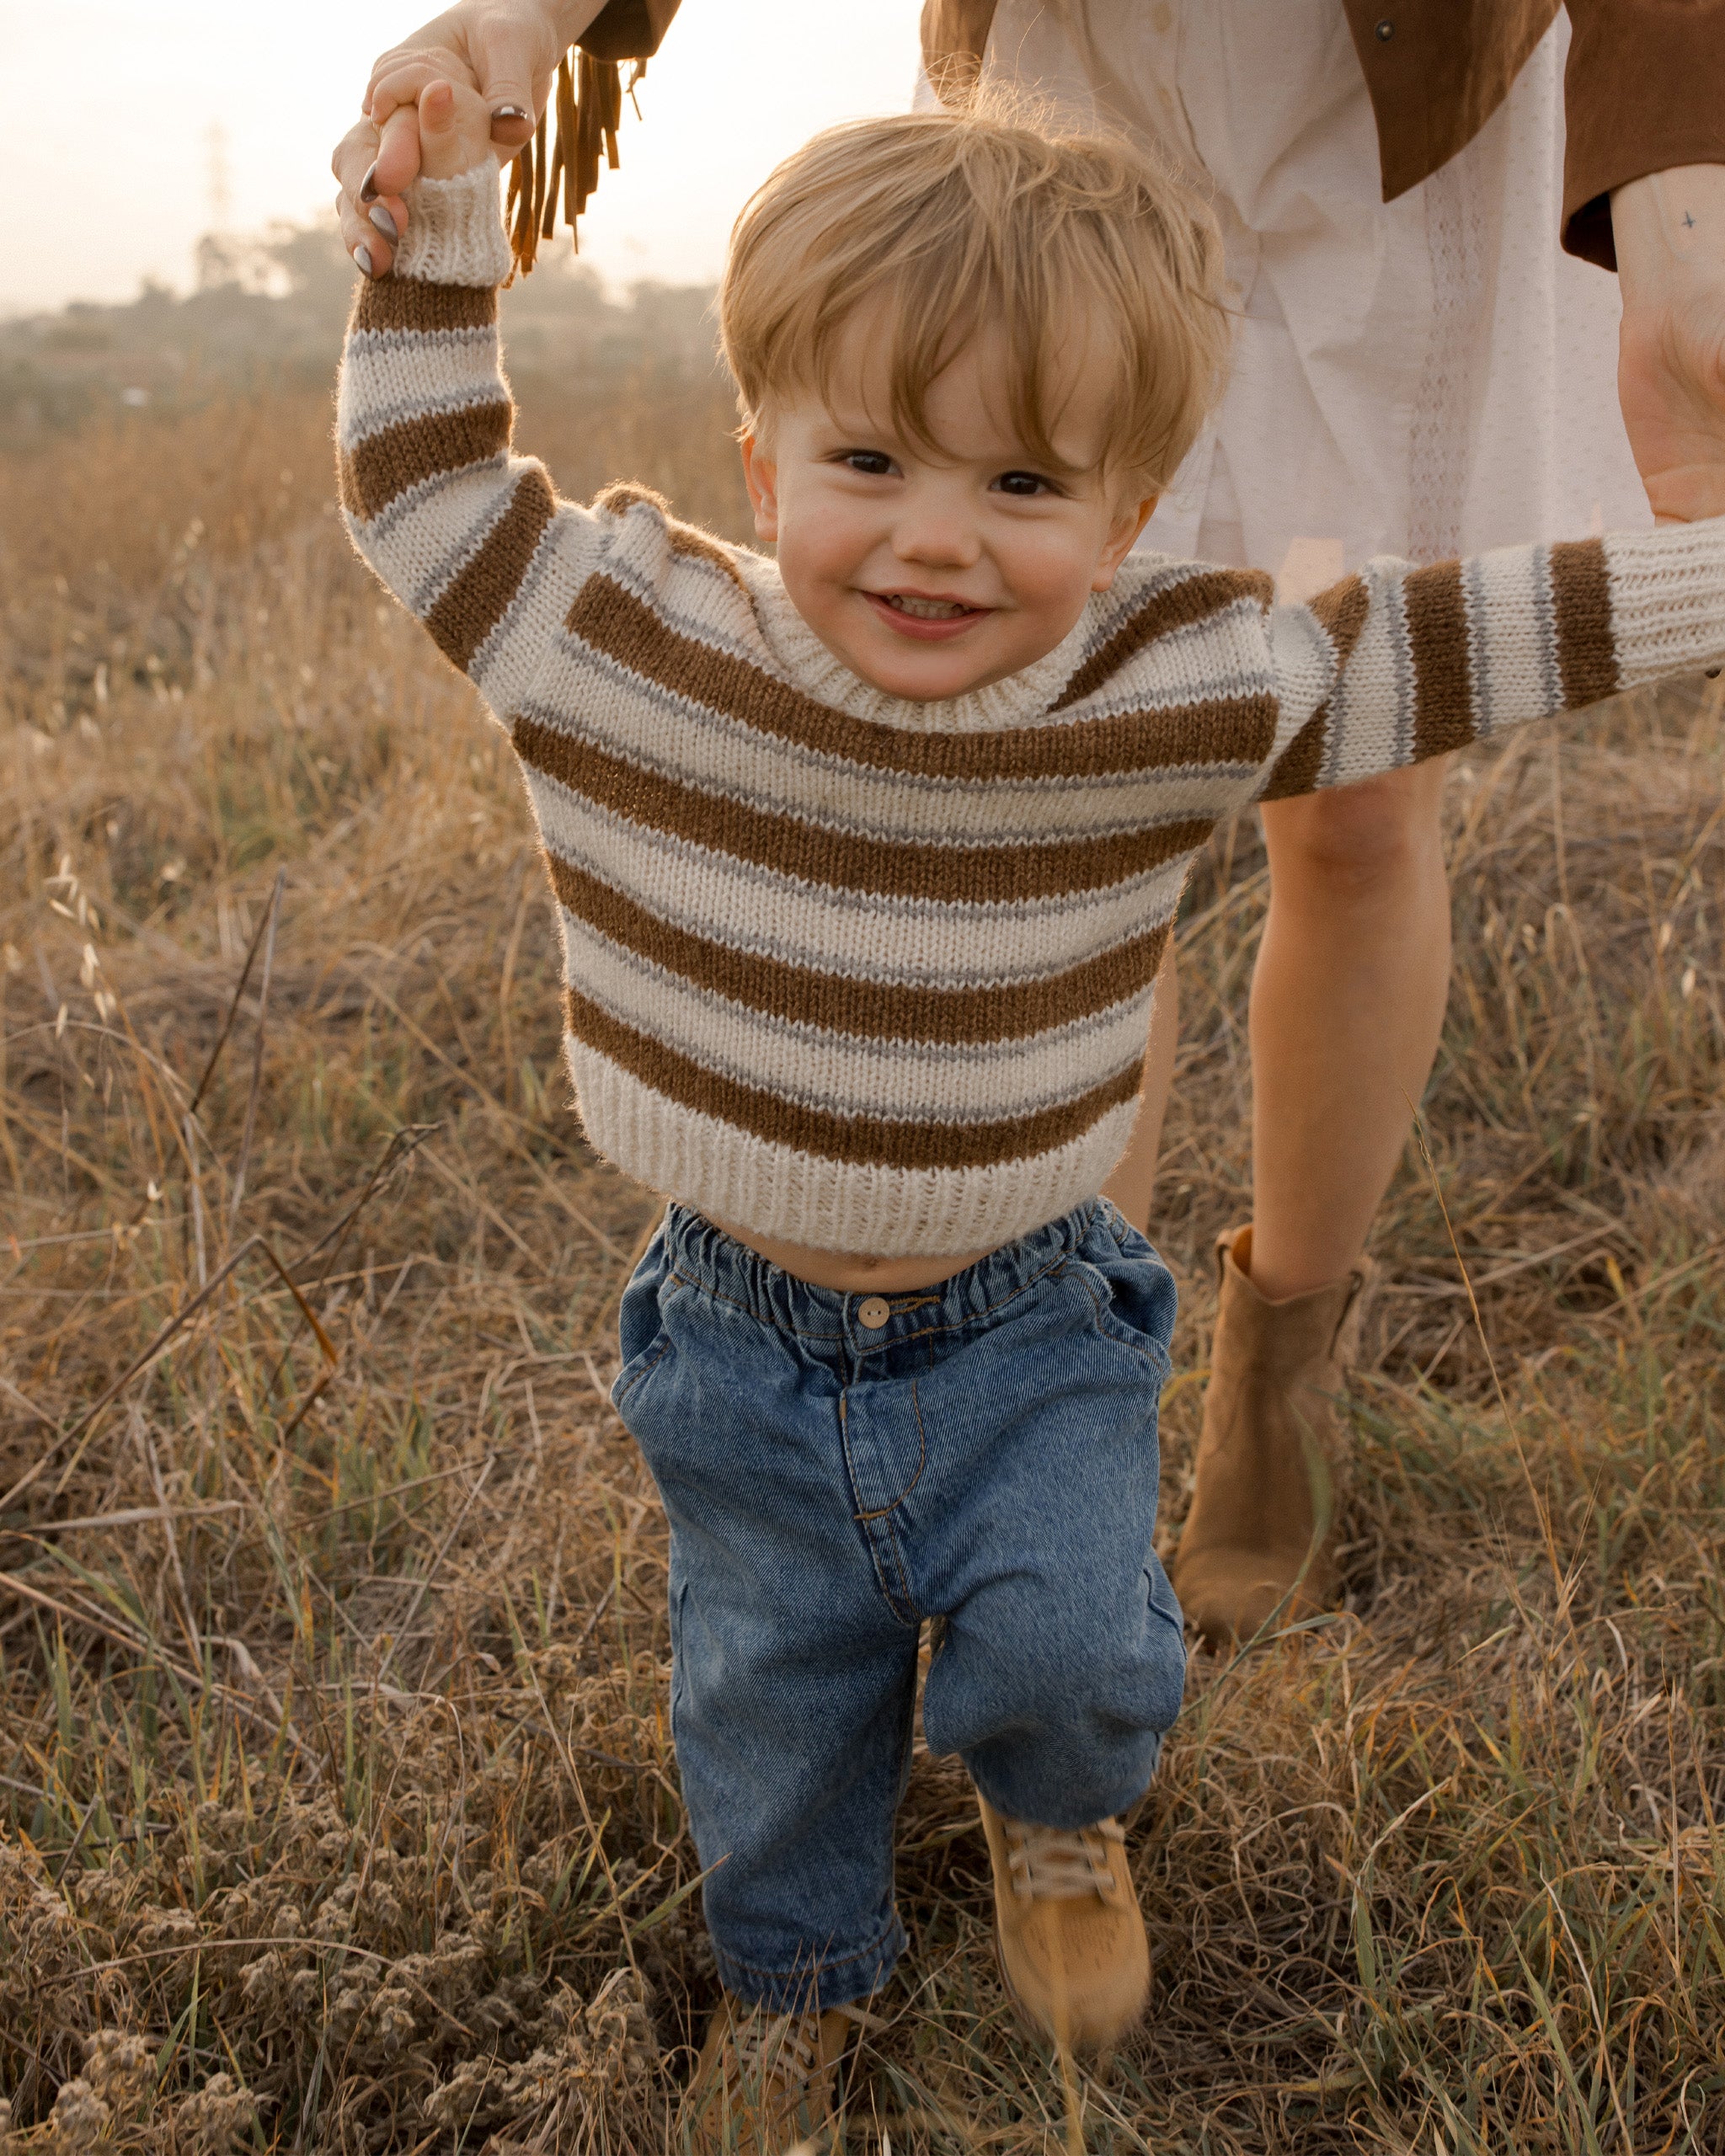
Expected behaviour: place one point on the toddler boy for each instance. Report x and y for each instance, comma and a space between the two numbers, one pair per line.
866, 858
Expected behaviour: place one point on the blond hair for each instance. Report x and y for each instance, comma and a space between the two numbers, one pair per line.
944, 223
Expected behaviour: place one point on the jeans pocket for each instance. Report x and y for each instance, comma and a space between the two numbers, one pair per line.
629, 1378
1134, 1300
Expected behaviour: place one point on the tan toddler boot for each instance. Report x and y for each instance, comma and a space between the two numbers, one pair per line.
764, 2084
1068, 1928
1250, 1539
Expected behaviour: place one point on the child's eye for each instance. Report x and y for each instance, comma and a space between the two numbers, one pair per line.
872, 463
1023, 484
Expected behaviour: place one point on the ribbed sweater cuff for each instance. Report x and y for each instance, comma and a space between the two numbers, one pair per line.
1668, 599
455, 233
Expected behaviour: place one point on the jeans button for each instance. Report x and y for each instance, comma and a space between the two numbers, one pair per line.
873, 1311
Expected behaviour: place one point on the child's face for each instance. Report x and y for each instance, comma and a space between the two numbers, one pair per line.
934, 576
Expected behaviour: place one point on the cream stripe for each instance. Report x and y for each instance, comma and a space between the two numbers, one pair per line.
750, 908
1511, 664
827, 1204
395, 377
1668, 599
1371, 712
843, 1075
420, 555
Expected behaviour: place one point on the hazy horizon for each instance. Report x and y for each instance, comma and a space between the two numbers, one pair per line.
203, 117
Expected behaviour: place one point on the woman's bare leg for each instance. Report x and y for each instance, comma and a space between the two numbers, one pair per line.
1133, 1179
1347, 1009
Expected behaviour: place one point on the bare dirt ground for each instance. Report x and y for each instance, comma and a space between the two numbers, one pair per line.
338, 1810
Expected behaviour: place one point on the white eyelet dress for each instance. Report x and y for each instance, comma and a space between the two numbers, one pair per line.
1426, 377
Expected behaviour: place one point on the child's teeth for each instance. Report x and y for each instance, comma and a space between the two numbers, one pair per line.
928, 609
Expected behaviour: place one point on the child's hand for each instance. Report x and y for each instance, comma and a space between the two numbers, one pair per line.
454, 130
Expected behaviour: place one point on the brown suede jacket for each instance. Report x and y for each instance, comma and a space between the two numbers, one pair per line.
1645, 88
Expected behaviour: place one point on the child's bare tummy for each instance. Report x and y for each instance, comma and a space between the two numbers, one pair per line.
847, 1272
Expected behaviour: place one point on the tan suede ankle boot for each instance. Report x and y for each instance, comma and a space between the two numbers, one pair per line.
764, 2084
1250, 1540
1068, 1928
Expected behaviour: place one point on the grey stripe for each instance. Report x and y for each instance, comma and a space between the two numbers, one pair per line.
1473, 591
1545, 615
397, 343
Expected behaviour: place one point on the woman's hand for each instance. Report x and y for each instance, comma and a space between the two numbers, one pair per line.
1669, 230
506, 50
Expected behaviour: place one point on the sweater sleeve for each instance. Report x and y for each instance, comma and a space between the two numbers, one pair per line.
1399, 664
470, 538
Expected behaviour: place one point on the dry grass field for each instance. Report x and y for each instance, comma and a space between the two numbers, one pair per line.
337, 1807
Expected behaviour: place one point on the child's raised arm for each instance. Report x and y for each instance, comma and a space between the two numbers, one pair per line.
1399, 664
470, 538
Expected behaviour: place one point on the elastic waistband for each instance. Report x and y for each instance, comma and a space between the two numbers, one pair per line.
708, 1259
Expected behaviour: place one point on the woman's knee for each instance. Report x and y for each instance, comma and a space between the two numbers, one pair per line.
1362, 843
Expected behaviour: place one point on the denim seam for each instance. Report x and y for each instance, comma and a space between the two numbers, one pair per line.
881, 1511
796, 1973
868, 1523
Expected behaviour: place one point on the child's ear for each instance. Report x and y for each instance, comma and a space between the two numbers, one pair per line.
1123, 537
760, 477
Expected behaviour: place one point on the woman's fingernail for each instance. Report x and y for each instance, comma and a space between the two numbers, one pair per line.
385, 223
362, 255
368, 185
509, 112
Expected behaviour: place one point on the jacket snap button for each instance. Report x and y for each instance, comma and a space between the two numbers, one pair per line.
1386, 30
873, 1311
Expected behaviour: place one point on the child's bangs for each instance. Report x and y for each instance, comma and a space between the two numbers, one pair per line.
920, 316
931, 231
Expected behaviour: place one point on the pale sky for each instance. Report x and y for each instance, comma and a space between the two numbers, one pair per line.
106, 156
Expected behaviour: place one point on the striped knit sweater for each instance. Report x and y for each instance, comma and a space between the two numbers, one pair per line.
871, 975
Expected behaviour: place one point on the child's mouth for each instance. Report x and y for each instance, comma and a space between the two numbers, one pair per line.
927, 619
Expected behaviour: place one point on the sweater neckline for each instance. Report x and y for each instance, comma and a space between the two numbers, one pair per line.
1019, 700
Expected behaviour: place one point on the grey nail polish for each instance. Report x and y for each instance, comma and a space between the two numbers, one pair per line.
362, 255
368, 185
385, 223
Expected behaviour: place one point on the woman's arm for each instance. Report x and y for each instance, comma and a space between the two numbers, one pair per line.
1400, 663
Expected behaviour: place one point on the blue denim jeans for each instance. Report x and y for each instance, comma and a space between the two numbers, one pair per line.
984, 1458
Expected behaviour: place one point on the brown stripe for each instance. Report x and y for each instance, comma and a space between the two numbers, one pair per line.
1178, 608
1436, 608
476, 602
406, 303
948, 875
865, 1141
386, 464
1341, 611
1233, 729
1581, 596
864, 1009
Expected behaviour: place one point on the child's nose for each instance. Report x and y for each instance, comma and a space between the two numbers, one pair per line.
948, 541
